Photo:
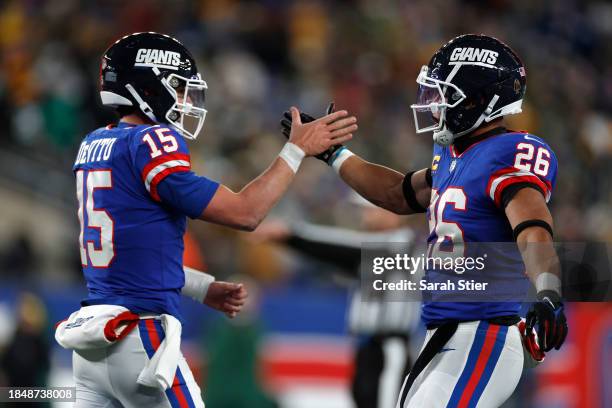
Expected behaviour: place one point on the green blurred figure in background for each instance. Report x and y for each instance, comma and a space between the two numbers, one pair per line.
233, 380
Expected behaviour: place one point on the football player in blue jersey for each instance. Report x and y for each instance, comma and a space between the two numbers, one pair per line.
486, 184
135, 189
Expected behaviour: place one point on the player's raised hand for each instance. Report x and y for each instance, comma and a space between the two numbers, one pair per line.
304, 117
226, 297
325, 156
319, 135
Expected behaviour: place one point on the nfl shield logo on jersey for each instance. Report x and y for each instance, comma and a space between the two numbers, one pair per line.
452, 166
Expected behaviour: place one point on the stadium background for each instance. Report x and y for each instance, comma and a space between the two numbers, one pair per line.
259, 58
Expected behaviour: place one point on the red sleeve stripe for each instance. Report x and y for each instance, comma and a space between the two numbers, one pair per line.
503, 172
152, 175
152, 188
498, 184
515, 172
161, 167
163, 159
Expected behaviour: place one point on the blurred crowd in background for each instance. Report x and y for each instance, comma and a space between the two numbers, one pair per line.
259, 58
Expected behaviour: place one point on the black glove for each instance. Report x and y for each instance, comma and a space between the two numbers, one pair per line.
547, 314
305, 118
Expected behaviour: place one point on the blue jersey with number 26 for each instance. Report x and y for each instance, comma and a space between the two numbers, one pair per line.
466, 206
130, 181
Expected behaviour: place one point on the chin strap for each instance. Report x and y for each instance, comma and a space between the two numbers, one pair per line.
144, 107
445, 137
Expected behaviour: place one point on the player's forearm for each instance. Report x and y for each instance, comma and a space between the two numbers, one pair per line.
260, 195
532, 226
540, 258
246, 209
378, 184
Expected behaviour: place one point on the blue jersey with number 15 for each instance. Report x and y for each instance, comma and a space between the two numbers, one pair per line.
466, 206
128, 179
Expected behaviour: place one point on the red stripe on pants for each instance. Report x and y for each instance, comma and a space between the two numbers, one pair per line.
481, 363
176, 387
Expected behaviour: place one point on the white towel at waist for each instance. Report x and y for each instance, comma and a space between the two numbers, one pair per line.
94, 327
99, 326
160, 369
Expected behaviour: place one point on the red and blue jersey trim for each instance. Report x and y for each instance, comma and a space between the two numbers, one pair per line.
158, 169
503, 178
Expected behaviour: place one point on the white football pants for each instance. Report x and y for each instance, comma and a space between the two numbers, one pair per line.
480, 366
106, 378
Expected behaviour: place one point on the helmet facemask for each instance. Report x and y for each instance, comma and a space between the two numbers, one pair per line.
433, 106
430, 109
187, 114
186, 96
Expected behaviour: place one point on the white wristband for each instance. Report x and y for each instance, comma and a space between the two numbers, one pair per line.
292, 155
339, 160
548, 281
196, 284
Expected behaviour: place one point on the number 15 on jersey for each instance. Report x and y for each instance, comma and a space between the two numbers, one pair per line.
90, 217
